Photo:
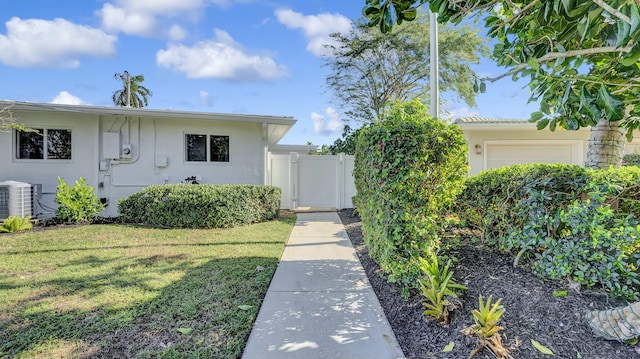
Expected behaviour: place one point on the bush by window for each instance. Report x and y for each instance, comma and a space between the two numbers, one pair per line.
51, 144
203, 148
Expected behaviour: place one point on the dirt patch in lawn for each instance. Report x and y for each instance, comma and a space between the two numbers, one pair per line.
532, 311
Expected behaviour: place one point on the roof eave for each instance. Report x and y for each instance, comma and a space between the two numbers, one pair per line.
145, 112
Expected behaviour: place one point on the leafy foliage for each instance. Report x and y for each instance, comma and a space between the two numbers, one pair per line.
487, 317
408, 169
15, 224
486, 327
581, 57
437, 287
132, 87
347, 143
201, 206
77, 204
8, 121
570, 222
632, 159
369, 69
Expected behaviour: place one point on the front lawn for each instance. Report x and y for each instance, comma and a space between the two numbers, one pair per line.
121, 291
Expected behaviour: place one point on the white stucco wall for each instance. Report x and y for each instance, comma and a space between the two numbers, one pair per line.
483, 136
84, 147
151, 140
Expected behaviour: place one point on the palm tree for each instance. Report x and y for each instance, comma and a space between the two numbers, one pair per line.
132, 85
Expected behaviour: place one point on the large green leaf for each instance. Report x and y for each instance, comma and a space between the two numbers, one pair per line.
633, 56
613, 108
586, 102
541, 348
623, 33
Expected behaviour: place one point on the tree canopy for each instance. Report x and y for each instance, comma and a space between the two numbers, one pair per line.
370, 68
131, 85
8, 121
581, 56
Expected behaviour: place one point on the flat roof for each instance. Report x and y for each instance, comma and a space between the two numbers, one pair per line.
146, 112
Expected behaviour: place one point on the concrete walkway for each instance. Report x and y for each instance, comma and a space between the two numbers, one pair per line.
320, 303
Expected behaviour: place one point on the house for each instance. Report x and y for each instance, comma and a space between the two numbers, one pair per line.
121, 150
501, 142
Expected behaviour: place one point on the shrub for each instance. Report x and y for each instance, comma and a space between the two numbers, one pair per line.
15, 224
201, 206
408, 170
486, 328
632, 159
437, 287
569, 221
77, 204
491, 200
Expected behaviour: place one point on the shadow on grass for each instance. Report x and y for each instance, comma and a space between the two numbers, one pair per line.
61, 250
204, 302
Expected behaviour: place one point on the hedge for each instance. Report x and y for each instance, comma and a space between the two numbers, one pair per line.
201, 206
408, 170
570, 222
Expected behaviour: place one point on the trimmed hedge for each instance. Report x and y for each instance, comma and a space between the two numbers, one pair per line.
201, 206
408, 170
571, 222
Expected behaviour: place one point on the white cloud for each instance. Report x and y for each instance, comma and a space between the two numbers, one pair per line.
118, 19
205, 99
55, 43
150, 18
177, 33
65, 98
327, 124
220, 58
316, 28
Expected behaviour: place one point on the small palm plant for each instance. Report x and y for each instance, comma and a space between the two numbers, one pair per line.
486, 328
15, 224
437, 288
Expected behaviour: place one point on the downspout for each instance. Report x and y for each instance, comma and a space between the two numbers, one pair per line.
266, 163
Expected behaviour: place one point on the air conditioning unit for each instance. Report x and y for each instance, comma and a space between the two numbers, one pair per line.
126, 151
15, 199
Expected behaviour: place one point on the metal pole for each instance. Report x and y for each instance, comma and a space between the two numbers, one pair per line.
128, 88
433, 56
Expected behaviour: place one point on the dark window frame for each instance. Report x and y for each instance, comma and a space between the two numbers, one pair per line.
207, 148
45, 144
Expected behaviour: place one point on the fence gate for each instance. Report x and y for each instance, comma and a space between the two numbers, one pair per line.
309, 181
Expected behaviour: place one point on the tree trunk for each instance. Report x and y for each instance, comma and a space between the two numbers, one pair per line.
606, 145
620, 324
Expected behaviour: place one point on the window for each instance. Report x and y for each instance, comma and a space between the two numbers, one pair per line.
54, 143
203, 148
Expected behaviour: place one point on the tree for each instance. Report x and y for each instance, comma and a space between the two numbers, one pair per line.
132, 85
323, 150
347, 143
369, 68
8, 121
581, 57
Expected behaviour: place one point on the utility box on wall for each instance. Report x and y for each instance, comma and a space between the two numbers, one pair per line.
111, 145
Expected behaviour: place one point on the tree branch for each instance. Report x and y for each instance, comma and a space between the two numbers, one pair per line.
557, 55
615, 12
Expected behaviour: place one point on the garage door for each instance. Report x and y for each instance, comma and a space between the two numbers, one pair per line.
499, 155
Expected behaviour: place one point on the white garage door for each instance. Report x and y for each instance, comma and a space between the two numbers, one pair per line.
505, 154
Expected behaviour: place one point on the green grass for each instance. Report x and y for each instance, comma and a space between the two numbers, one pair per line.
121, 291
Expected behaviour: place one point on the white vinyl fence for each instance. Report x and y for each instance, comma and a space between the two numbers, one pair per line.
309, 181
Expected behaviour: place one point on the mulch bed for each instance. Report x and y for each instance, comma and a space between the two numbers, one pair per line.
532, 312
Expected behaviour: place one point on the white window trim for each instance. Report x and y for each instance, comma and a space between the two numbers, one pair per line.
208, 162
44, 159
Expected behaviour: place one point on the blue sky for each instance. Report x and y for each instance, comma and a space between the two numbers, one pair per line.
229, 56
